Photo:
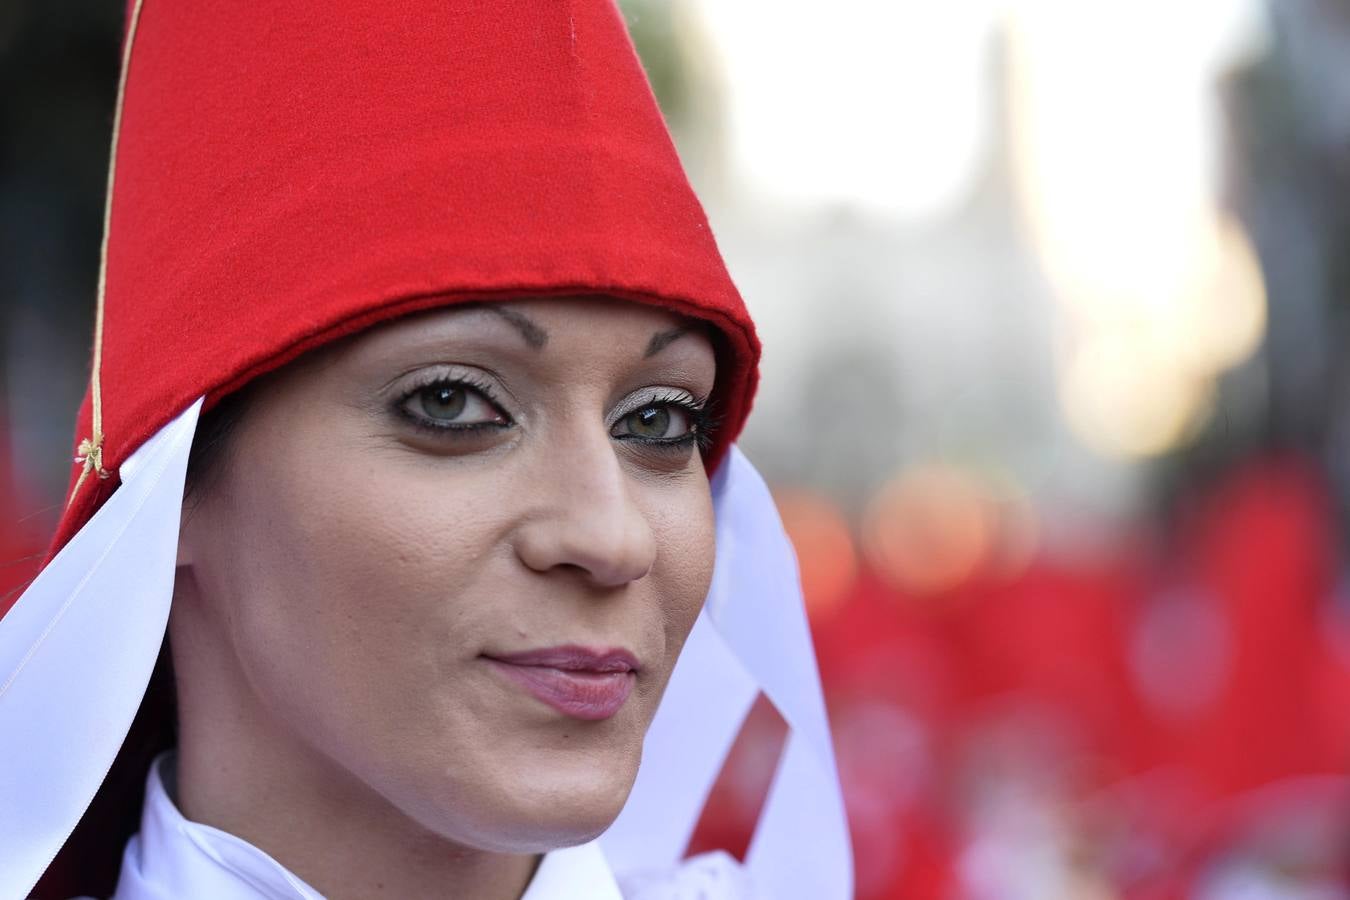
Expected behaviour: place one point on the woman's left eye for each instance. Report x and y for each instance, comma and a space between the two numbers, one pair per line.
658, 422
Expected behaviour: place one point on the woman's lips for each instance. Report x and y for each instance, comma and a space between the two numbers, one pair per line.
576, 681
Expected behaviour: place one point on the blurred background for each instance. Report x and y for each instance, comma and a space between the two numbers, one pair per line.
1055, 296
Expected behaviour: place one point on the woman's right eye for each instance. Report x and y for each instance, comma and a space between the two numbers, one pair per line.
452, 405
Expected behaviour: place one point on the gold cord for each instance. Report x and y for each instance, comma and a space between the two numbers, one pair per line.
90, 452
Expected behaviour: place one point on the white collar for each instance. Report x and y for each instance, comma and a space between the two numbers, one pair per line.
174, 857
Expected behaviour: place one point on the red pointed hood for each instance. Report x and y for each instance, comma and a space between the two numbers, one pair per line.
290, 173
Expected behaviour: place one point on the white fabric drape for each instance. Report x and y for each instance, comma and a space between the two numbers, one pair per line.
76, 652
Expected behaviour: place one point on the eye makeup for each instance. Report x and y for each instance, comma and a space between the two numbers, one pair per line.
693, 410
454, 402
460, 389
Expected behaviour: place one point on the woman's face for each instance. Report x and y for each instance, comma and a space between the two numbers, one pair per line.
452, 561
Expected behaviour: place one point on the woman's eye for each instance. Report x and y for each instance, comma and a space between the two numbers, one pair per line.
657, 423
446, 404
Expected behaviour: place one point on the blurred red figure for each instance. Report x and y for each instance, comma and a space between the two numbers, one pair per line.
1262, 547
1265, 752
1002, 683
1164, 711
21, 542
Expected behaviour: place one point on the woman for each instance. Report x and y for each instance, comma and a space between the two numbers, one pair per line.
469, 358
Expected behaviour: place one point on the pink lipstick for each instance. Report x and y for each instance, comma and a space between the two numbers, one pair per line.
576, 681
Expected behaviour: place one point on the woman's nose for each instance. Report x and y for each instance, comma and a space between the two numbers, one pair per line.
585, 517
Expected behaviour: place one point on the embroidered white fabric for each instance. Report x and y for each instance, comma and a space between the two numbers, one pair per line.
77, 649
708, 876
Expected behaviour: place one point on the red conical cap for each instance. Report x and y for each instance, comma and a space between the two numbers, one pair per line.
288, 173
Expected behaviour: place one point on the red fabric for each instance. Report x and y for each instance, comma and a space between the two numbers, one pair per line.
20, 540
292, 172
1264, 546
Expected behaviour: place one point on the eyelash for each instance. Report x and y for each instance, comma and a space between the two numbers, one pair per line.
701, 421
479, 386
698, 409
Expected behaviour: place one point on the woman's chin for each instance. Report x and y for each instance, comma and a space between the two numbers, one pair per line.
556, 808
540, 808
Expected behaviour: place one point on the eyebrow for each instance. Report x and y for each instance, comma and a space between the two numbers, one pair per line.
535, 336
662, 339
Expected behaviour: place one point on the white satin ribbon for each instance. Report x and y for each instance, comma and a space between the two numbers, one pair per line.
77, 650
752, 635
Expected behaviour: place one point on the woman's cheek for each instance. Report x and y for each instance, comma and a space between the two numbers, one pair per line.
687, 541
322, 616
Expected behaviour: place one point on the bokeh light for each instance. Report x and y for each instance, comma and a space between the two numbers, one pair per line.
929, 530
824, 546
1161, 289
820, 106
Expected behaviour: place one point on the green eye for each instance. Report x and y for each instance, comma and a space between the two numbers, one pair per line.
451, 407
443, 402
651, 422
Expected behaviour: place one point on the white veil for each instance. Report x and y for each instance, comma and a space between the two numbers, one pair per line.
77, 650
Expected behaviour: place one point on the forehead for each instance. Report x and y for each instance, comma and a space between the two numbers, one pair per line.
542, 323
